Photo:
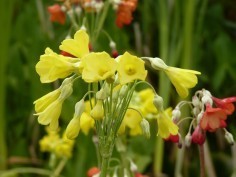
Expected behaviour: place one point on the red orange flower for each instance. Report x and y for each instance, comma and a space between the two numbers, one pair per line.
173, 138
213, 118
56, 14
226, 104
124, 12
93, 171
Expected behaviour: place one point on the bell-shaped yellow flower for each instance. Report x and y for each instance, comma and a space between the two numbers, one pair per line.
73, 128
86, 123
51, 114
98, 112
98, 66
165, 125
130, 68
42, 103
182, 79
132, 120
53, 66
79, 46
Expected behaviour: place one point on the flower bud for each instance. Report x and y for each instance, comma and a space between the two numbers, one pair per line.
188, 139
196, 111
73, 128
97, 112
195, 101
199, 117
145, 127
66, 91
198, 136
229, 137
158, 102
101, 94
133, 166
157, 63
79, 108
206, 99
176, 115
123, 90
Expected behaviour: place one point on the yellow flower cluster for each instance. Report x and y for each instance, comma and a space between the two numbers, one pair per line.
53, 143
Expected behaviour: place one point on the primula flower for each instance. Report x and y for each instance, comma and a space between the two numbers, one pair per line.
182, 79
124, 12
79, 46
173, 138
130, 68
226, 104
147, 106
93, 171
56, 14
47, 143
53, 66
213, 118
198, 136
132, 120
51, 114
86, 123
97, 67
42, 103
166, 127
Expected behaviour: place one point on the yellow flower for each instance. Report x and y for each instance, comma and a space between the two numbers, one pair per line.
79, 46
97, 112
98, 66
130, 68
73, 128
132, 120
42, 103
165, 125
182, 79
147, 106
53, 66
51, 114
64, 147
86, 123
47, 143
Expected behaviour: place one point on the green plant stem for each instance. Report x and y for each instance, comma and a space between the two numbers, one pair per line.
5, 30
164, 84
188, 33
104, 167
59, 168
25, 170
179, 162
202, 160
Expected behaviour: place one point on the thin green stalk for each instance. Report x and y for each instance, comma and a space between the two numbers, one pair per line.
25, 170
164, 85
202, 160
188, 33
59, 168
5, 21
104, 167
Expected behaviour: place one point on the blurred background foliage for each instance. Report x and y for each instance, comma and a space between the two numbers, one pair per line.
198, 34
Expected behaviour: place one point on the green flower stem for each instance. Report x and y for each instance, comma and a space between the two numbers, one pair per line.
5, 33
25, 170
59, 168
101, 20
104, 167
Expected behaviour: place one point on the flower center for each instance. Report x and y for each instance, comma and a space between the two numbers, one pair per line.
130, 70
102, 71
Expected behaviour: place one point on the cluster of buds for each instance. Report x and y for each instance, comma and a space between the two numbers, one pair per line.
209, 115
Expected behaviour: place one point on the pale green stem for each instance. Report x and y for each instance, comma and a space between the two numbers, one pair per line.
179, 162
25, 170
5, 33
59, 168
164, 84
188, 33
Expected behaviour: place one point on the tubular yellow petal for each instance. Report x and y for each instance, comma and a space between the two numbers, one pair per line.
182, 79
79, 46
42, 103
86, 123
73, 128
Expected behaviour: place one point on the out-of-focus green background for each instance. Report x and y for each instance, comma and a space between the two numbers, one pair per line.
194, 34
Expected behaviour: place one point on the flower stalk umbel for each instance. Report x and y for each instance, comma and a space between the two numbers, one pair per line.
112, 105
209, 114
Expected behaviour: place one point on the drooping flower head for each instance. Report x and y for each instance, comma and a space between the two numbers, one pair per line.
213, 118
198, 136
130, 68
57, 14
226, 104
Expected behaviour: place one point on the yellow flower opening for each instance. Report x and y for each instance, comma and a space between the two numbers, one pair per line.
130, 68
165, 125
79, 46
53, 66
182, 79
86, 123
51, 114
98, 66
42, 103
